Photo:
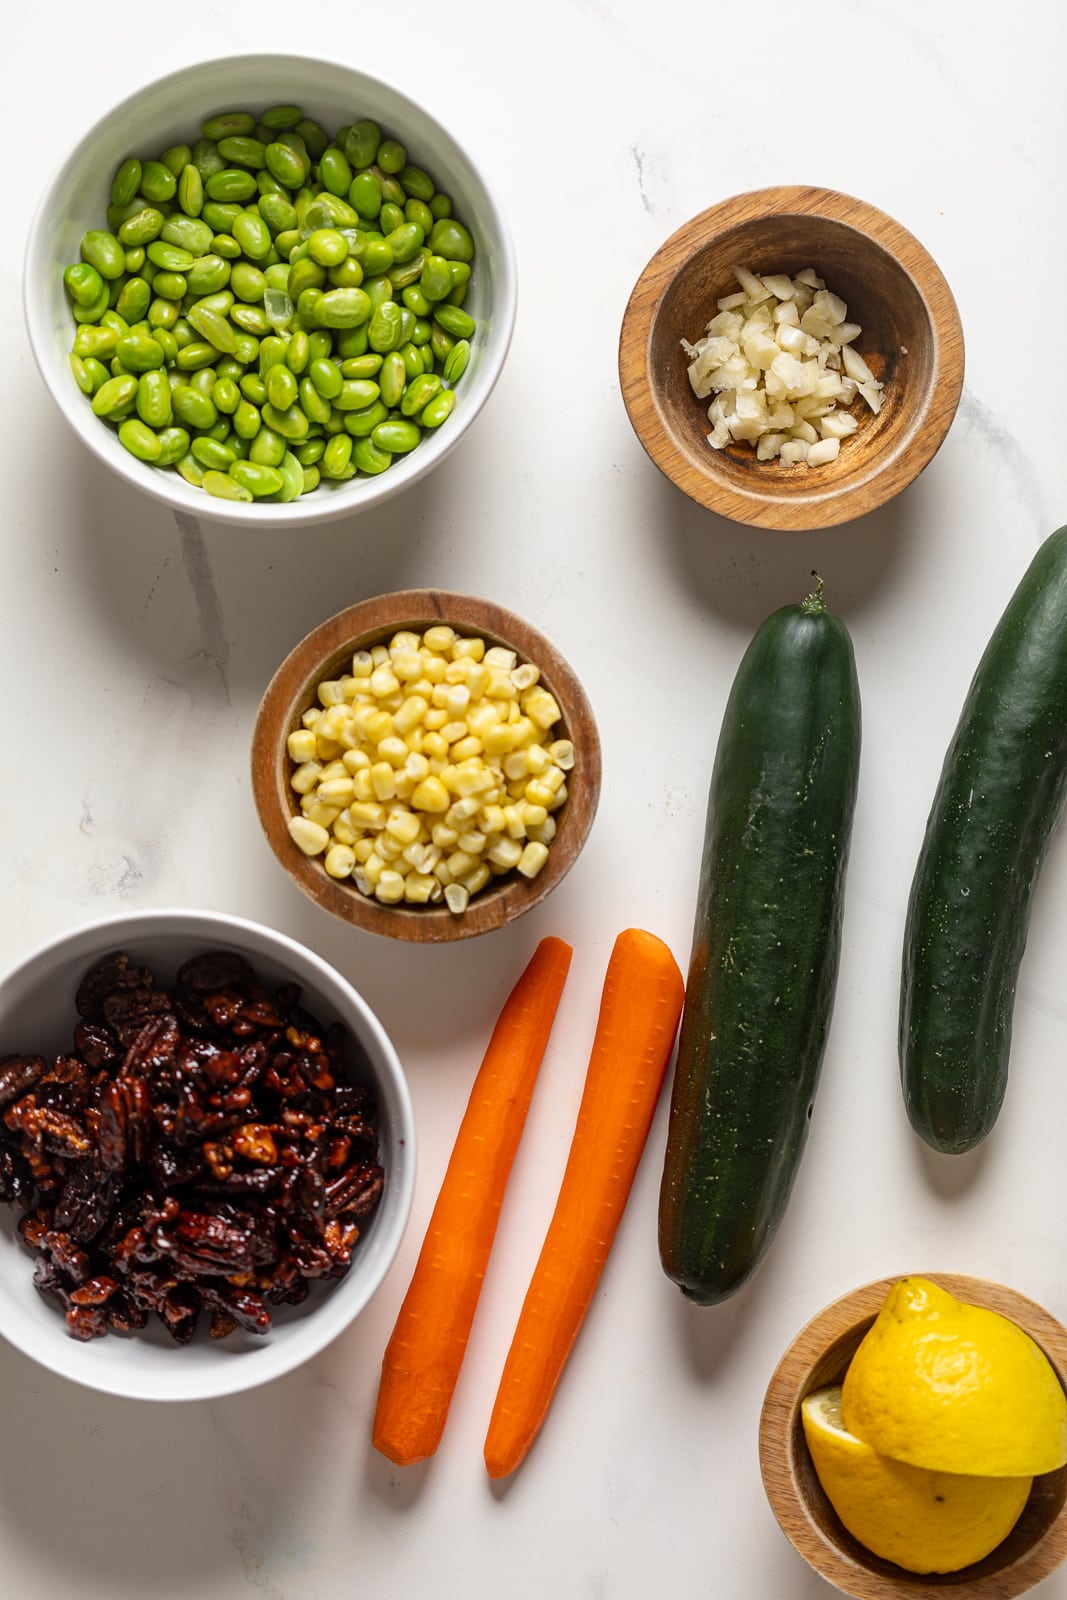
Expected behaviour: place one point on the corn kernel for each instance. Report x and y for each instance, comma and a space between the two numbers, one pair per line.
355, 761
456, 898
473, 647
326, 749
362, 665
431, 795
384, 682
482, 717
539, 794
504, 852
300, 745
452, 732
362, 848
410, 714
407, 665
363, 784
460, 861
339, 861
500, 741
393, 750
383, 779
461, 811
525, 676
366, 814
310, 716
498, 655
465, 749
435, 668
537, 759
379, 726
379, 655
477, 679
343, 830
390, 887
308, 836
500, 686
405, 785
532, 815
404, 639
339, 792
332, 769
559, 797
314, 810
476, 879
418, 887
473, 841
491, 819
404, 826
562, 753
532, 859
439, 638
416, 766
373, 868
514, 823
444, 836
388, 848
305, 777
544, 833
541, 707
330, 692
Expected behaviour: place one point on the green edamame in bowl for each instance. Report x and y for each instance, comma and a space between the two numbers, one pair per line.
283, 289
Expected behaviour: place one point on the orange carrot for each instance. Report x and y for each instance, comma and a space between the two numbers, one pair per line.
639, 1012
425, 1352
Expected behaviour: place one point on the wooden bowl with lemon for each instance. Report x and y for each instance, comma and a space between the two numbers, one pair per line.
879, 1403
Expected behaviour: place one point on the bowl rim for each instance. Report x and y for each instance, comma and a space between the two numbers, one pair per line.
748, 503
168, 488
293, 683
840, 1321
321, 1328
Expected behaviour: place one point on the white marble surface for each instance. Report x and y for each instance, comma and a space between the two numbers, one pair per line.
133, 653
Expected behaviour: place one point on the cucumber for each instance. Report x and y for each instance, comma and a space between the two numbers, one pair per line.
766, 939
998, 800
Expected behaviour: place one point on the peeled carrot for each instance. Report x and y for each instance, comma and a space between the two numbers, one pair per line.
425, 1352
639, 1012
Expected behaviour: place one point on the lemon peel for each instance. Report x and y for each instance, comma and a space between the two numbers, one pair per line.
952, 1387
922, 1521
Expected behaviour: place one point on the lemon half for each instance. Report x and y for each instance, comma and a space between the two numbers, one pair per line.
954, 1388
923, 1521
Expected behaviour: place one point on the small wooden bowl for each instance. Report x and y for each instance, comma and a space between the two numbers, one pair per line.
912, 340
324, 653
818, 1356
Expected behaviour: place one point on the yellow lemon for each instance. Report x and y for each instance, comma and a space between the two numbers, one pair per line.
954, 1388
923, 1521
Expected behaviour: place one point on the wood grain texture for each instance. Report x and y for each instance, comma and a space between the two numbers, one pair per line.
819, 1356
912, 339
325, 653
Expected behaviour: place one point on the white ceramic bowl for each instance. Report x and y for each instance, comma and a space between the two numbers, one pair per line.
169, 111
37, 1015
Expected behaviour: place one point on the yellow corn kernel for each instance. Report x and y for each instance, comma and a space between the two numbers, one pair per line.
473, 841
300, 745
366, 814
431, 795
393, 750
498, 655
350, 687
416, 766
539, 794
404, 639
532, 859
379, 655
472, 647
537, 759
333, 721
439, 638
541, 707
339, 861
525, 676
387, 847
305, 777
362, 665
543, 834
500, 686
483, 716
524, 731
456, 898
355, 761
404, 826
465, 749
514, 822
452, 732
383, 780
434, 668
501, 740
559, 797
461, 811
472, 778
491, 819
532, 815
504, 852
413, 740
562, 753
515, 768
476, 879
309, 717
422, 856
477, 680
460, 861
405, 786
407, 664
315, 811
333, 769
553, 778
339, 792
384, 682
442, 872
363, 784
410, 714
418, 887
444, 836
390, 887
343, 830
379, 727
363, 848
326, 749
308, 836
435, 719
372, 868
330, 692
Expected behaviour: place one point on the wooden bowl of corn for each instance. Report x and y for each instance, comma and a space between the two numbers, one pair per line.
888, 352
426, 765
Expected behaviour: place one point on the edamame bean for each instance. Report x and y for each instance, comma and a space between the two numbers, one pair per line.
291, 167
335, 172
104, 252
223, 487
417, 182
362, 423
126, 182
83, 283
253, 235
228, 125
347, 275
140, 440
173, 444
230, 185
250, 319
243, 150
309, 452
277, 213
195, 410
247, 282
96, 308
92, 340
168, 285
299, 352
291, 424
258, 480
253, 388
191, 470
140, 229
314, 407
337, 456
397, 436
369, 457
139, 352
377, 258
267, 448
158, 182
311, 479
419, 392
188, 233
342, 308
384, 331
365, 195
362, 141
440, 407
210, 453
135, 258
392, 156
292, 474
282, 391
455, 364
247, 420
153, 400
205, 274
392, 378
225, 395
191, 190
454, 320
366, 366
115, 395
220, 215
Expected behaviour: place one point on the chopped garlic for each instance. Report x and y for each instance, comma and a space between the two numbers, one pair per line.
776, 360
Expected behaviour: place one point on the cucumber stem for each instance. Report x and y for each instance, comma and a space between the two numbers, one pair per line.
815, 604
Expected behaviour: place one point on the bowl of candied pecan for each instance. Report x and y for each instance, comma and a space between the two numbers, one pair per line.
206, 1154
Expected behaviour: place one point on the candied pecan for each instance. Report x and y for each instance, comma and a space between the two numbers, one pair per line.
355, 1192
85, 1201
94, 1291
62, 1135
255, 1142
214, 969
125, 1122
153, 1046
87, 1322
111, 973
96, 1045
209, 1242
129, 1011
68, 1256
65, 1086
19, 1073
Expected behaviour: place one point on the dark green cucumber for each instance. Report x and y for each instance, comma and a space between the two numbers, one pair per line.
999, 797
766, 940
